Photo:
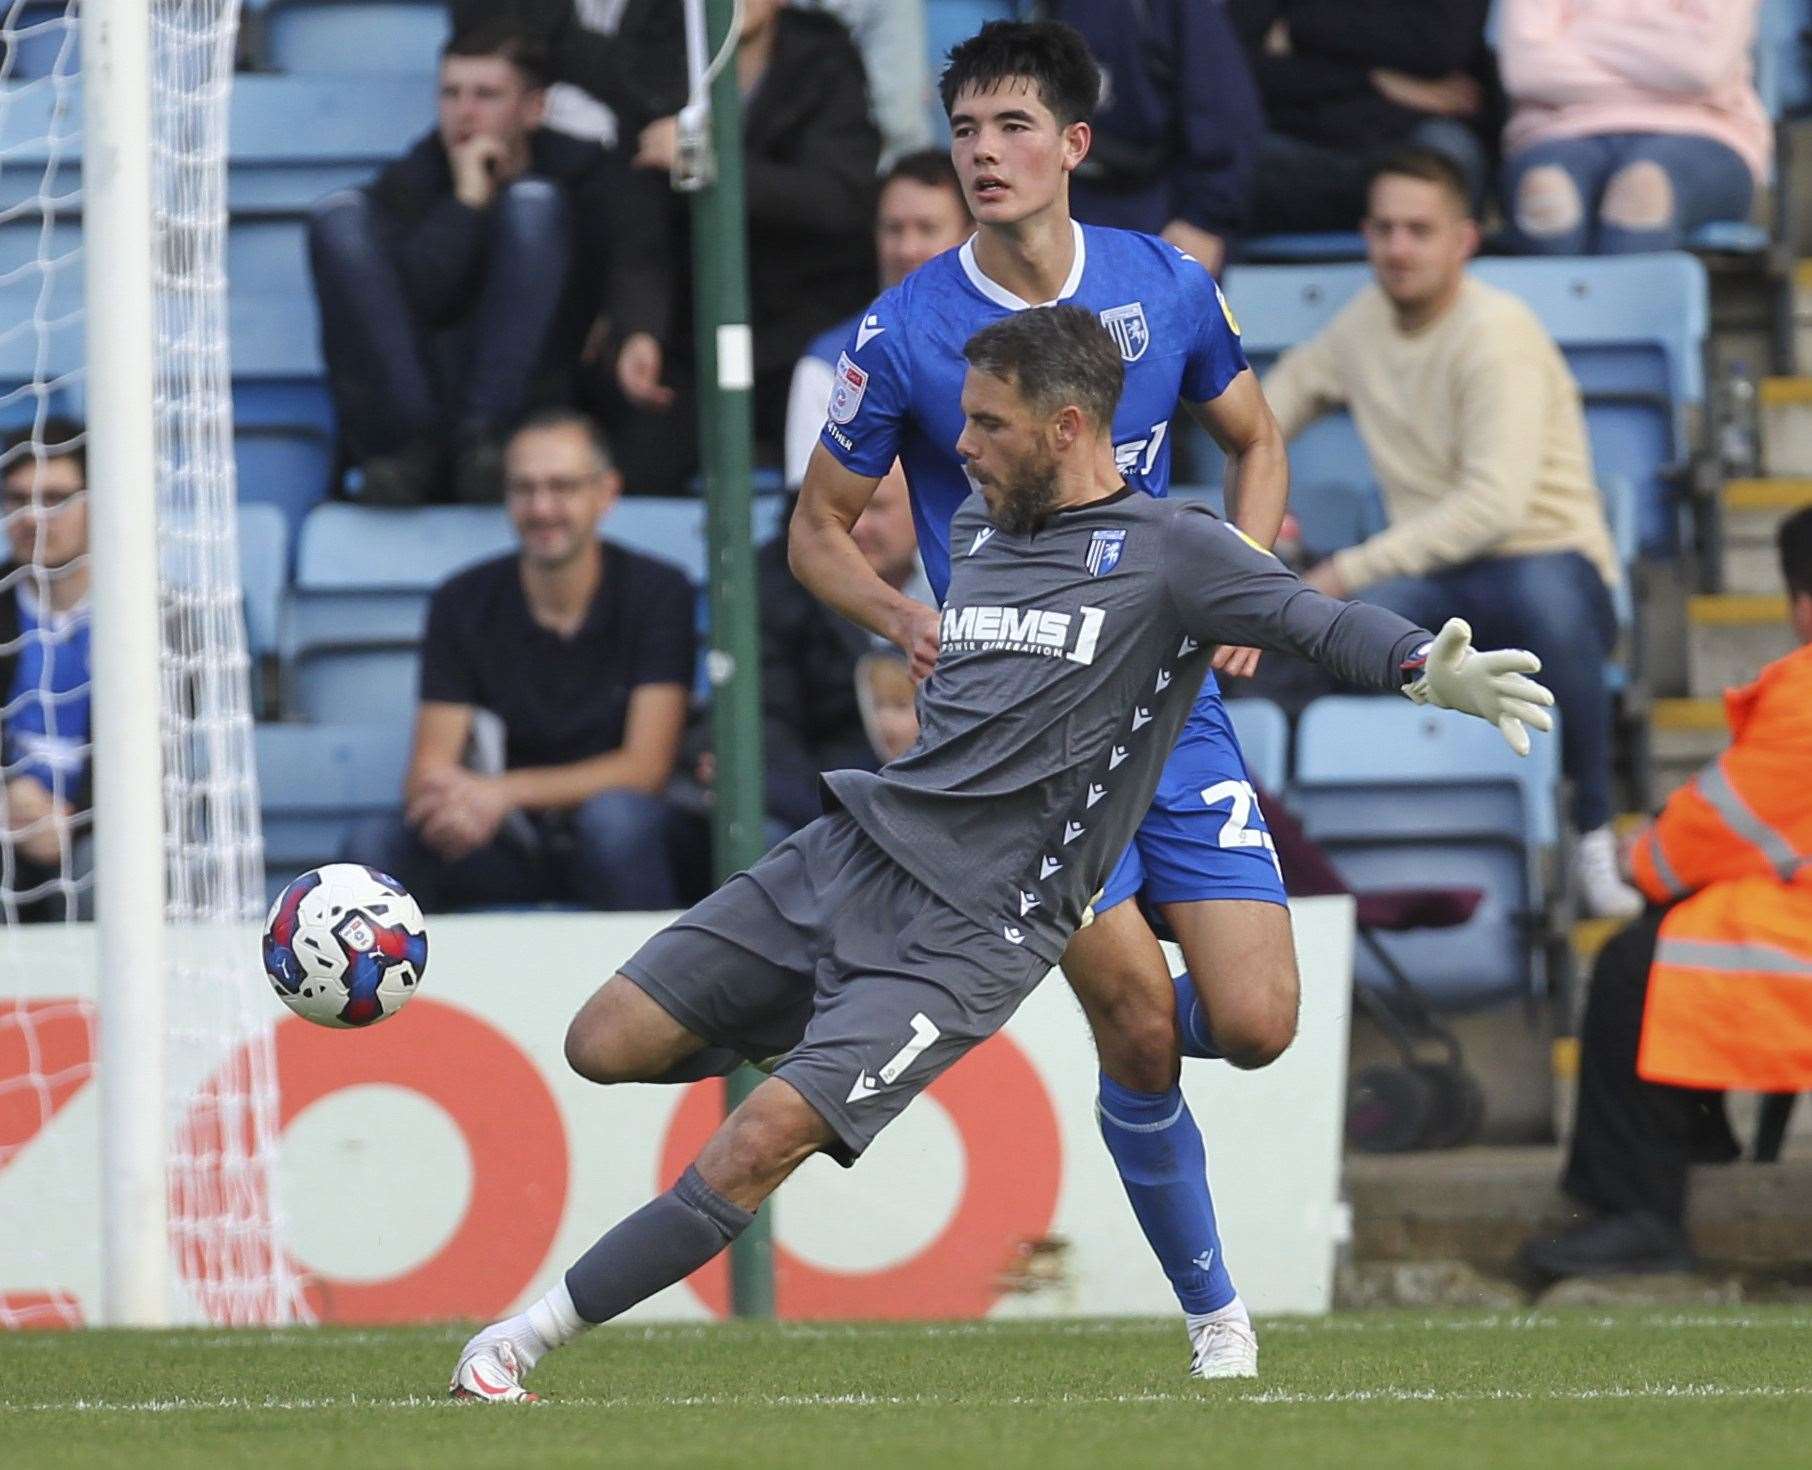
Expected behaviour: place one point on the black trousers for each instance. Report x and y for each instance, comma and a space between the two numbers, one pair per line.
1633, 1140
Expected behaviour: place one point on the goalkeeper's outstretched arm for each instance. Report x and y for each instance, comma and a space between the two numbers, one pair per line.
1227, 589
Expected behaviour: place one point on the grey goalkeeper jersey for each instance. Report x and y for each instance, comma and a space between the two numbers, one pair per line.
1069, 661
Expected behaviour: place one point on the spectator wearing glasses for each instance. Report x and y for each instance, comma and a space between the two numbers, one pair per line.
554, 687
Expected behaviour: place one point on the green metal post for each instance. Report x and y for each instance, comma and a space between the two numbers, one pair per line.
726, 381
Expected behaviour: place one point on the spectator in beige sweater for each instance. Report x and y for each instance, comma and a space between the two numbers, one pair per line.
1476, 436
1632, 122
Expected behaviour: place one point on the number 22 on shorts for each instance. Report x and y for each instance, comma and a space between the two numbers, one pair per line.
1235, 832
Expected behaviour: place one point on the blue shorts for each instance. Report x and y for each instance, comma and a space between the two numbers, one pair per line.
1204, 837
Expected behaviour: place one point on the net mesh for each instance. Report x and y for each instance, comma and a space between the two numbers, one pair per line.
229, 1265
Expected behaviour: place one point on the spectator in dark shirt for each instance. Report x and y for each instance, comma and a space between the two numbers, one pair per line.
44, 674
809, 157
1178, 126
565, 670
457, 289
1344, 83
626, 57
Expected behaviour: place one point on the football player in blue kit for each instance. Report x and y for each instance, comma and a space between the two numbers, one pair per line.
1019, 96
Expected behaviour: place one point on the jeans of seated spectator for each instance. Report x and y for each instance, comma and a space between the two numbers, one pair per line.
1556, 606
1708, 180
402, 368
53, 901
1300, 187
609, 853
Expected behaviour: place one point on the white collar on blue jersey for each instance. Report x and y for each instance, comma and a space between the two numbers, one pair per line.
1001, 296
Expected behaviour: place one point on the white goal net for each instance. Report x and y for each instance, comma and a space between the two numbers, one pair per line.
225, 1261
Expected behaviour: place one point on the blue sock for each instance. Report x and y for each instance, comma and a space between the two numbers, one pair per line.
1158, 1150
1193, 1038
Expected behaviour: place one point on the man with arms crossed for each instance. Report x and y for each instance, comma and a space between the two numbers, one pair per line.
1018, 96
874, 948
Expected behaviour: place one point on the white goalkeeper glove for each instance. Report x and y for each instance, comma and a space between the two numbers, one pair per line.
1490, 685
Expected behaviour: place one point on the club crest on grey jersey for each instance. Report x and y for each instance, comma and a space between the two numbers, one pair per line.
1104, 549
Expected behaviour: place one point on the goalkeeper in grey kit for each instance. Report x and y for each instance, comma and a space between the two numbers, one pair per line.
873, 949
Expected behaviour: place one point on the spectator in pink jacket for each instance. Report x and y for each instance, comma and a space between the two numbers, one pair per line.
1632, 122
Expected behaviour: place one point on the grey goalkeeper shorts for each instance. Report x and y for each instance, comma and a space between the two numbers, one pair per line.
829, 952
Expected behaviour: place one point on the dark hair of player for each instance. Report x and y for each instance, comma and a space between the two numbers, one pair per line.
1428, 165
1054, 356
505, 38
1795, 537
60, 438
929, 166
558, 416
1049, 54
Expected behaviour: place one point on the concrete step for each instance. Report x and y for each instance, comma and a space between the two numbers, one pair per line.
1478, 1205
1786, 427
1683, 734
1750, 511
1730, 636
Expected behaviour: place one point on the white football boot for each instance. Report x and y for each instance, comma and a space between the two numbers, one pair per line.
1223, 1344
490, 1372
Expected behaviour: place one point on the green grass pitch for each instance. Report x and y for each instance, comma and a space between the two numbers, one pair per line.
1726, 1389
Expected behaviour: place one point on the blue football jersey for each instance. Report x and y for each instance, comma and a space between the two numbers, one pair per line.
899, 379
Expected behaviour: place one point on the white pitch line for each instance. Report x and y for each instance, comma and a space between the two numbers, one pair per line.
1264, 1398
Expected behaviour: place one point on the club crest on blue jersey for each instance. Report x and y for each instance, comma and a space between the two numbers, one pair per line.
1127, 326
1104, 548
846, 396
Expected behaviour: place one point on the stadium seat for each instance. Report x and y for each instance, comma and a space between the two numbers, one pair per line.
1396, 793
285, 467
339, 682
295, 139
1303, 249
264, 541
315, 781
341, 36
1264, 740
674, 528
40, 41
1783, 58
263, 545
292, 139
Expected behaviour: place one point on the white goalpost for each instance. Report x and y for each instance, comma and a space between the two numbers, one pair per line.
138, 1094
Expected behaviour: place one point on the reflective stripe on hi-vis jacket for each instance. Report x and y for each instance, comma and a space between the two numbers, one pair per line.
1730, 993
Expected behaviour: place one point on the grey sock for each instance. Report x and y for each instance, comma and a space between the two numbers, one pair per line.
663, 1242
707, 1061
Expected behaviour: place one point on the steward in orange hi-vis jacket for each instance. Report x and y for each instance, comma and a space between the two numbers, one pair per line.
1712, 987
1730, 992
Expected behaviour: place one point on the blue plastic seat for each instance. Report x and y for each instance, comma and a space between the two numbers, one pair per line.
1397, 793
1314, 248
1264, 740
283, 467
341, 36
296, 139
673, 528
315, 781
43, 39
291, 140
356, 611
355, 683
1783, 58
264, 541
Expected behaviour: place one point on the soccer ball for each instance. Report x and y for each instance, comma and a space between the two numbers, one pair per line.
345, 945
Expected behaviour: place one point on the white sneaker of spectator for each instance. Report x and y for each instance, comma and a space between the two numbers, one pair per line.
1601, 887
